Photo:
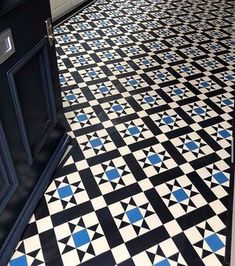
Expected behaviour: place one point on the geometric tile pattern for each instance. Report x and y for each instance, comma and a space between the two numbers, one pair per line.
134, 216
80, 239
180, 196
65, 192
207, 240
147, 91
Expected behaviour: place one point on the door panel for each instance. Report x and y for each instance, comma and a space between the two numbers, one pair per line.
34, 94
31, 115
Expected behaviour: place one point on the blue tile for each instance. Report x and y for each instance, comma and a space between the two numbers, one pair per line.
180, 195
103, 89
145, 62
108, 55
92, 73
192, 145
117, 107
20, 261
227, 102
133, 82
82, 117
65, 191
149, 99
168, 120
134, 215
120, 68
98, 44
112, 174
62, 80
132, 50
185, 69
178, 91
220, 177
70, 97
204, 84
73, 48
82, 60
96, 143
160, 76
214, 242
229, 77
154, 159
81, 238
134, 131
224, 133
199, 111
163, 263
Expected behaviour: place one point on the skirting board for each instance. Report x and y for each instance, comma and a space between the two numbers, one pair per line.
14, 236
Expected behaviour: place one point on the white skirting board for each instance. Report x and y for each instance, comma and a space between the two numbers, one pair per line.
61, 7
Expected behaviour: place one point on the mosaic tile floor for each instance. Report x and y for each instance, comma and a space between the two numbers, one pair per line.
147, 93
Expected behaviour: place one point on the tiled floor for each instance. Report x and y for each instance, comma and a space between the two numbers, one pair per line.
147, 92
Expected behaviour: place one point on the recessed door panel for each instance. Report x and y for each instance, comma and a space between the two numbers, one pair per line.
33, 98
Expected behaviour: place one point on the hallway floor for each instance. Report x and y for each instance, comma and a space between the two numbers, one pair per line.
147, 93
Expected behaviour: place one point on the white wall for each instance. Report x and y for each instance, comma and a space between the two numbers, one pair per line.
61, 7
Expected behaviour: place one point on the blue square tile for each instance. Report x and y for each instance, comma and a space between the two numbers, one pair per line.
214, 242
82, 117
81, 238
220, 177
65, 191
227, 102
180, 195
117, 107
134, 215
112, 174
145, 62
133, 82
178, 91
70, 97
149, 99
134, 131
199, 111
168, 120
224, 133
95, 143
108, 55
120, 68
154, 159
192, 145
92, 73
204, 84
103, 89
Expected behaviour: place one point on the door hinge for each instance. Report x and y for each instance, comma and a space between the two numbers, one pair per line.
50, 34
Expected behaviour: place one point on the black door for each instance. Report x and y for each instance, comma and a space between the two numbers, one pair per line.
32, 134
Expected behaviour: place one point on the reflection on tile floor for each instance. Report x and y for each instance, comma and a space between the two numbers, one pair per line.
147, 93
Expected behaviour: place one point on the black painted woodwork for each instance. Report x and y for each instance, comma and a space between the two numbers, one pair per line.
32, 132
